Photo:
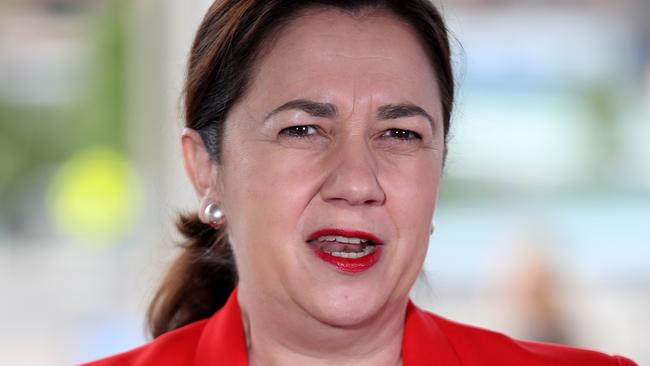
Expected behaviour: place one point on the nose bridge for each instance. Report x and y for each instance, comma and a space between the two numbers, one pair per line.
353, 174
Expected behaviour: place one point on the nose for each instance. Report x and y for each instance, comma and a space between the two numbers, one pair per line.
353, 177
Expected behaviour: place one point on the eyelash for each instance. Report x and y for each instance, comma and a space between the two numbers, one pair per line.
302, 131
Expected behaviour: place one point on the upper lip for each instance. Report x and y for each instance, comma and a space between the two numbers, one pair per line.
347, 233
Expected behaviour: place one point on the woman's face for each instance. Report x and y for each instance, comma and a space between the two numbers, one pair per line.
339, 137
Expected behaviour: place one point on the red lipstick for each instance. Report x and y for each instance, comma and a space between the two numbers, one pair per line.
350, 265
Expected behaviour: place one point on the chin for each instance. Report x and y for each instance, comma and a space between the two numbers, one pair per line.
346, 305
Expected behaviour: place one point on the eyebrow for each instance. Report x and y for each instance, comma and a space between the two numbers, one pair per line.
328, 110
395, 111
315, 109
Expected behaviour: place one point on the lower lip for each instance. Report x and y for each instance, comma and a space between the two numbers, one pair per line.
350, 265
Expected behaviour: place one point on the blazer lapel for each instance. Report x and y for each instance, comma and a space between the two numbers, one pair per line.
222, 341
424, 343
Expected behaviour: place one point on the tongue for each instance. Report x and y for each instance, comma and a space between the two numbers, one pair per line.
334, 246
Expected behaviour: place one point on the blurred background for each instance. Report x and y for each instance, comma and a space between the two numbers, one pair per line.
543, 224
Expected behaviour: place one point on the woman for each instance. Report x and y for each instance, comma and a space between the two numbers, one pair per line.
315, 141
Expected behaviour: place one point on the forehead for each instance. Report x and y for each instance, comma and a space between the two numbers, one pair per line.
327, 50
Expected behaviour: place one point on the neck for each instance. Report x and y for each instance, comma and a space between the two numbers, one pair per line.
277, 335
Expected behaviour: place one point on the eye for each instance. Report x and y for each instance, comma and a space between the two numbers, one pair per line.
400, 134
299, 131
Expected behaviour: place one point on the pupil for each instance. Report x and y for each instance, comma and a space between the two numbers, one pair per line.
299, 130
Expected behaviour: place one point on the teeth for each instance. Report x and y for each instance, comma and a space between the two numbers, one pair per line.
367, 250
342, 239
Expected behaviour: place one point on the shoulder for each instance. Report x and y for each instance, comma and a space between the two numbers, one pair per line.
217, 340
478, 346
173, 348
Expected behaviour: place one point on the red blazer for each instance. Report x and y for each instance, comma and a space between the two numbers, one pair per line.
428, 340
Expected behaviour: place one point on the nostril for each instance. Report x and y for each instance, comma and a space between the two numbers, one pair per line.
353, 180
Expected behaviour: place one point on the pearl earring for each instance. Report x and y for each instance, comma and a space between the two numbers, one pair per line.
215, 215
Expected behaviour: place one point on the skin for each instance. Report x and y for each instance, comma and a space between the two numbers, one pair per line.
347, 170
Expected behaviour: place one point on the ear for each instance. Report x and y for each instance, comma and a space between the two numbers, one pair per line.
201, 171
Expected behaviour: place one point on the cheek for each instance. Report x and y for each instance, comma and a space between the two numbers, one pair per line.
265, 192
413, 191
411, 200
272, 184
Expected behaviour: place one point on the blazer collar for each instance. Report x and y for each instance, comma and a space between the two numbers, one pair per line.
222, 342
424, 343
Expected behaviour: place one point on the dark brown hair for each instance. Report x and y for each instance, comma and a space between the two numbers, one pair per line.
228, 42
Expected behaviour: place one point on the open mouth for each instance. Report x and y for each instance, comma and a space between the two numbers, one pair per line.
349, 251
344, 247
